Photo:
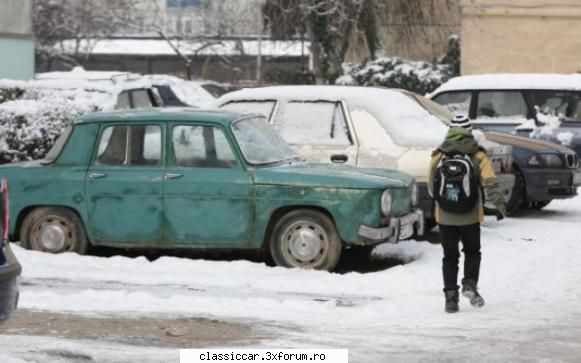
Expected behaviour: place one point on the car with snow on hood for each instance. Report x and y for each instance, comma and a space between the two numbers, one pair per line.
193, 179
363, 126
539, 115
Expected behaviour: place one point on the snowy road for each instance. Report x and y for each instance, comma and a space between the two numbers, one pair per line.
531, 278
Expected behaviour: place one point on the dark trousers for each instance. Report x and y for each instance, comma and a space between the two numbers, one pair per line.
470, 237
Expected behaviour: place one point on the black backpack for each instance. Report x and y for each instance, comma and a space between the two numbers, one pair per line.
456, 183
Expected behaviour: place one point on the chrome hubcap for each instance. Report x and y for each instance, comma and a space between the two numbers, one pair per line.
305, 244
52, 235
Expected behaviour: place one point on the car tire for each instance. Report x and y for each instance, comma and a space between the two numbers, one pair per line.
306, 239
54, 230
538, 205
518, 195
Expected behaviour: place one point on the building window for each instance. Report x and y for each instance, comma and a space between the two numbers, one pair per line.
183, 3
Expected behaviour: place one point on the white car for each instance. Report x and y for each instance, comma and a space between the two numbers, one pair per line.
175, 91
363, 126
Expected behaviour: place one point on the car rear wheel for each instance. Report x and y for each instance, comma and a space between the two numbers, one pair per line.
54, 230
306, 239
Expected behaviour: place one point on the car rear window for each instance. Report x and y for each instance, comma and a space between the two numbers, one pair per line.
313, 123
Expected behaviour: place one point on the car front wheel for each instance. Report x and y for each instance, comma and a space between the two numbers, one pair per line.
54, 230
306, 239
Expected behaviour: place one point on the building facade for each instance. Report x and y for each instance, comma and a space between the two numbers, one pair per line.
537, 36
16, 40
200, 18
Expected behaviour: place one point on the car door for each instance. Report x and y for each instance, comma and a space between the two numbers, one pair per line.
123, 185
208, 196
319, 131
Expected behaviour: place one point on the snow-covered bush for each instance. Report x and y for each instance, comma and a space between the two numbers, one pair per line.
33, 116
394, 72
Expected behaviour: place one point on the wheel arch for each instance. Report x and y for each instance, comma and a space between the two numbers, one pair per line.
24, 212
278, 213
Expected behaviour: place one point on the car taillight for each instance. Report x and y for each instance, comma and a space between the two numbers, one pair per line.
5, 210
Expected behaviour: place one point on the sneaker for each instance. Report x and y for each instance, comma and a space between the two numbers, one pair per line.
470, 291
451, 301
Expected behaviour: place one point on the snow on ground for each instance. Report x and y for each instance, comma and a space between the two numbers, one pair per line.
531, 279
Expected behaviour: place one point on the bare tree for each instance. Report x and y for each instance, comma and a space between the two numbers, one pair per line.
328, 24
57, 23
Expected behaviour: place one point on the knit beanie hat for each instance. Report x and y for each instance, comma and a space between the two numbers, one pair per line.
461, 121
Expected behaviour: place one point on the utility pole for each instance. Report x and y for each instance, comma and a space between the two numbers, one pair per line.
259, 60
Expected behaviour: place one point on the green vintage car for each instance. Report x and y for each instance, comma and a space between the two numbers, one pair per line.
179, 178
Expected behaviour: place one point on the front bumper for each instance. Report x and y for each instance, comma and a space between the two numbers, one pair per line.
549, 184
393, 232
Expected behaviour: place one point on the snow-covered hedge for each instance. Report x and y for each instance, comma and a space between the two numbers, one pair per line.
395, 72
33, 116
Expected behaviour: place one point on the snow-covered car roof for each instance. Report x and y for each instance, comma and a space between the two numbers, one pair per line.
408, 122
512, 81
98, 80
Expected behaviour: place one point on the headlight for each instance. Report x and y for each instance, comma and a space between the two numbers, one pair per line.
415, 195
386, 203
546, 161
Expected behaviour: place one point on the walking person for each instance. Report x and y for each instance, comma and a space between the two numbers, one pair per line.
459, 171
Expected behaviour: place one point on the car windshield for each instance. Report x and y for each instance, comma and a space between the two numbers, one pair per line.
260, 144
58, 146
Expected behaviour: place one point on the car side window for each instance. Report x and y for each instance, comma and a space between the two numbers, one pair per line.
201, 147
141, 99
457, 102
313, 123
501, 104
123, 102
130, 146
564, 104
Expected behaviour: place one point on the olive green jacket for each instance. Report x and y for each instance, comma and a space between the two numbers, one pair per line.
461, 140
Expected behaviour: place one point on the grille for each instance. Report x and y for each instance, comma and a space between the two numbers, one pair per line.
571, 160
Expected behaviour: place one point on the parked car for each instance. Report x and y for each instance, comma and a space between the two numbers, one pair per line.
128, 90
34, 113
544, 170
182, 178
177, 92
364, 126
10, 268
545, 106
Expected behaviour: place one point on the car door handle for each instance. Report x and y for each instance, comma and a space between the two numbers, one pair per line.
339, 159
97, 175
172, 176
